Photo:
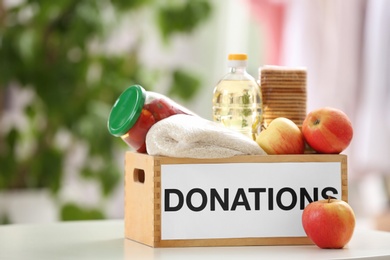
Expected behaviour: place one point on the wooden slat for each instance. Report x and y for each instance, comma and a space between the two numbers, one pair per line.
257, 159
235, 242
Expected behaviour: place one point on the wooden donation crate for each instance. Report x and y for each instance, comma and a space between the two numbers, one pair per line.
238, 201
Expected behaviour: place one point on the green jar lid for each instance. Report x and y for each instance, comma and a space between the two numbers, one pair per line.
126, 110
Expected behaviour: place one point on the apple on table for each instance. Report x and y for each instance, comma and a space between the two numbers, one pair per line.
329, 223
282, 136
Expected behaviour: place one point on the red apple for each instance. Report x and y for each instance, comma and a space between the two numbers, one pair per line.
327, 130
282, 136
329, 223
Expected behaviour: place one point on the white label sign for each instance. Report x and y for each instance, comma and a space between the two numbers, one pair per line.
242, 200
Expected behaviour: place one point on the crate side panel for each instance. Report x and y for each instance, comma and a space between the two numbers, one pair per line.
139, 198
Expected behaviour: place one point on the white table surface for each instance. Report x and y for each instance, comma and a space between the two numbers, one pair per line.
105, 240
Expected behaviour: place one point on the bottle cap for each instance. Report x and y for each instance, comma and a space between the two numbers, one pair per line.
126, 110
237, 56
237, 60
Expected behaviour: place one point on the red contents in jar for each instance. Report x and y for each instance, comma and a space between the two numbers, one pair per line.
153, 112
137, 134
162, 109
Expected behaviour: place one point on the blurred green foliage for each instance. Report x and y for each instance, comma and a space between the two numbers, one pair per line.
45, 46
182, 18
72, 211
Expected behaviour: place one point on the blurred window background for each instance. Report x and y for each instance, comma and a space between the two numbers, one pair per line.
63, 63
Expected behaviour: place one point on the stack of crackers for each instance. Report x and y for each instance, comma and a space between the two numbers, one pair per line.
284, 93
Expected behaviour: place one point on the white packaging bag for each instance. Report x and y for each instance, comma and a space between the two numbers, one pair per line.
195, 137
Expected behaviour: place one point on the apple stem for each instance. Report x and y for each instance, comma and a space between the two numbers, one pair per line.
330, 197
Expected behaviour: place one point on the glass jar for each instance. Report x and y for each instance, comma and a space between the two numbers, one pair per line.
136, 111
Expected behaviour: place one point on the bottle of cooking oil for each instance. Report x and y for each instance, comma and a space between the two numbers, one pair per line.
237, 100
